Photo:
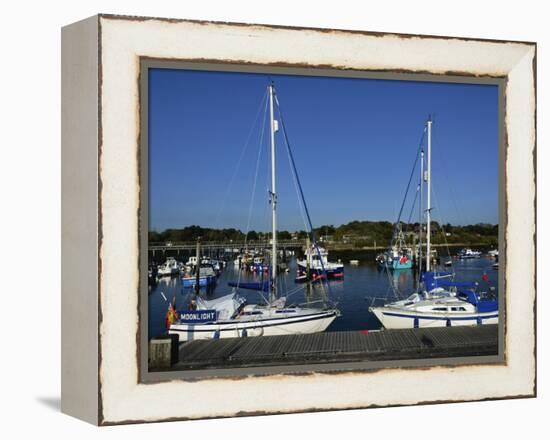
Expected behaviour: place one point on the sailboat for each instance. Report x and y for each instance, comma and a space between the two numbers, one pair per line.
440, 300
231, 315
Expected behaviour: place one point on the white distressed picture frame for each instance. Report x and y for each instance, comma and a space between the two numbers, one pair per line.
101, 380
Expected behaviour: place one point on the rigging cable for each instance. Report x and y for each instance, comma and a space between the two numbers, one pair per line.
441, 226
243, 151
293, 163
412, 174
253, 188
413, 204
395, 291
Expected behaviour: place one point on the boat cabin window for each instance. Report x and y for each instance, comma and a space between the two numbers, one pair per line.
285, 311
254, 312
440, 309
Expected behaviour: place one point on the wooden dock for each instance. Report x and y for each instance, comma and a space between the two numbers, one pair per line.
339, 347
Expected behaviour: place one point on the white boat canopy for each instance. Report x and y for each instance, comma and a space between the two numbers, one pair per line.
226, 306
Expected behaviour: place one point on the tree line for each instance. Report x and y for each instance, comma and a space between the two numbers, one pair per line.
356, 233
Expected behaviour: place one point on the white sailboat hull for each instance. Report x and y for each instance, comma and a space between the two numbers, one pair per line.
167, 272
399, 319
301, 324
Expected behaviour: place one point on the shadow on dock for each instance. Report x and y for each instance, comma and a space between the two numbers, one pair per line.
384, 345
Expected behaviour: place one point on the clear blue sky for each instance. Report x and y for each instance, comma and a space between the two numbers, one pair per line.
354, 142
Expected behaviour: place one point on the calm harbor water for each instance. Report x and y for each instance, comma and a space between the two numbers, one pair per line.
362, 286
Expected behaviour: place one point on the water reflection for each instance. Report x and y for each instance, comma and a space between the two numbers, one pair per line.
362, 286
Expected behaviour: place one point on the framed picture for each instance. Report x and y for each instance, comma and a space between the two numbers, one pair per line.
262, 219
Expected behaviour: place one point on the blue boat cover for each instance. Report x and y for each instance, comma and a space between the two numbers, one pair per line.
468, 295
442, 279
252, 286
483, 305
432, 279
487, 306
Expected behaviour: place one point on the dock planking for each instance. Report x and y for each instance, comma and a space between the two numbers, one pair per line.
339, 347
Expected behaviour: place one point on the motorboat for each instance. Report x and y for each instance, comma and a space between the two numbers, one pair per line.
468, 253
170, 267
317, 265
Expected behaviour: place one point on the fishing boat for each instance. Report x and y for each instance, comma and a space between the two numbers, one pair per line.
395, 258
316, 262
231, 315
202, 275
493, 253
399, 255
207, 277
440, 300
170, 267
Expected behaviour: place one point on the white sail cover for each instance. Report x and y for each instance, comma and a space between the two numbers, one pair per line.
225, 305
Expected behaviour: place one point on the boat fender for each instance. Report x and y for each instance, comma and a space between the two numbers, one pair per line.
216, 334
244, 334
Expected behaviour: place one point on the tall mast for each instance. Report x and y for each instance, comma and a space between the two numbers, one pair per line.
429, 200
421, 213
273, 198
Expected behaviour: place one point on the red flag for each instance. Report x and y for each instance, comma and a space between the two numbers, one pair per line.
485, 277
